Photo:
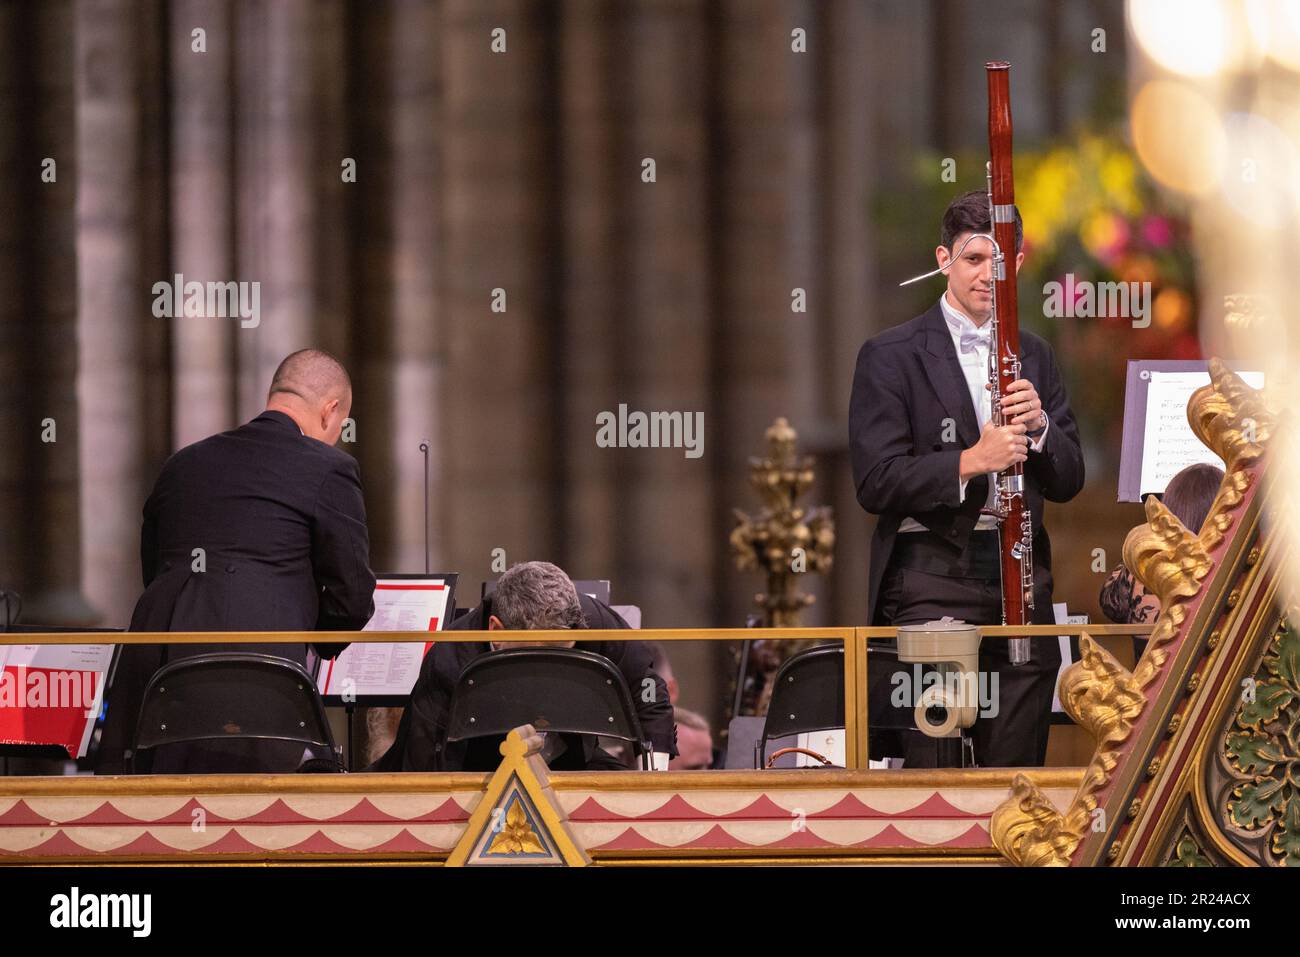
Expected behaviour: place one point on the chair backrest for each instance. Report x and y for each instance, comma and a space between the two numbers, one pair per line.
743, 734
883, 714
232, 696
553, 689
807, 695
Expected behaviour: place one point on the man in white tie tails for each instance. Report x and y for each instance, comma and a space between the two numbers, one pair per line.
923, 449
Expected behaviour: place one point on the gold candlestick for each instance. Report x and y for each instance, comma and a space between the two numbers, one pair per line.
783, 540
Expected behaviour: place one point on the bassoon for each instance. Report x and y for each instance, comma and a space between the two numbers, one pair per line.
1015, 527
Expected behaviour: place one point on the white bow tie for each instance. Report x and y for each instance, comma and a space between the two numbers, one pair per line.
973, 338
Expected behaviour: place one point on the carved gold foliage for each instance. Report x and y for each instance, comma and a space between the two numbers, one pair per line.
1168, 559
1105, 698
1235, 422
518, 815
1230, 417
1262, 752
1100, 694
516, 835
1029, 831
1244, 312
1172, 563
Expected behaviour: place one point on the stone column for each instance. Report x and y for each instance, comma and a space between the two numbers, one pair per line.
597, 176
119, 88
40, 541
496, 176
202, 247
275, 158
398, 336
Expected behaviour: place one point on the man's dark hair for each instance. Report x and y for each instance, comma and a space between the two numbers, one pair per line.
969, 213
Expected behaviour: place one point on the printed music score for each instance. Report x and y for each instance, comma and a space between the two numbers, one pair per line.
1168, 443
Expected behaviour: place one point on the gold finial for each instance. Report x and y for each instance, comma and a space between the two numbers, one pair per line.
1246, 312
784, 539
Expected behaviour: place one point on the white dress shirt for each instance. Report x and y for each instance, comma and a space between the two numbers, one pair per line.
974, 361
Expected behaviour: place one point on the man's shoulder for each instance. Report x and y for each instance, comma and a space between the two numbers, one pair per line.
1033, 344
444, 662
204, 453
280, 437
904, 337
333, 458
306, 461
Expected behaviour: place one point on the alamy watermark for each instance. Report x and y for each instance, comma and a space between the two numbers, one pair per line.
1085, 299
961, 689
21, 687
213, 300
75, 909
654, 430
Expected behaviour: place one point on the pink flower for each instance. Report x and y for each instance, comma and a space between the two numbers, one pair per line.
1157, 231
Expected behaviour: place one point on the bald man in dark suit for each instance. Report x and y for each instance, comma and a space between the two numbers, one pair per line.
262, 528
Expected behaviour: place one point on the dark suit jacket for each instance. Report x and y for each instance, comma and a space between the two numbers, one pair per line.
282, 524
425, 718
907, 382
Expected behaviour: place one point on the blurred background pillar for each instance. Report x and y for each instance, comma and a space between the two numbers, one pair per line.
498, 180
279, 122
40, 531
202, 111
122, 404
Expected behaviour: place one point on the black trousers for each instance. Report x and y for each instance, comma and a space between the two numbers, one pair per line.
1017, 735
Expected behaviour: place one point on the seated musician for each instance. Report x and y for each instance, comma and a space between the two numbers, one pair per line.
1189, 496
530, 595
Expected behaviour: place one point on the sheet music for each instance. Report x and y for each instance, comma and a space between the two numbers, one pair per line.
629, 613
1063, 617
390, 668
1169, 445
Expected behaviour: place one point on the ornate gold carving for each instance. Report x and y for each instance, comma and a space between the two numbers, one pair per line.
519, 819
1029, 831
517, 835
1230, 417
1172, 563
1261, 749
783, 540
1100, 694
1247, 311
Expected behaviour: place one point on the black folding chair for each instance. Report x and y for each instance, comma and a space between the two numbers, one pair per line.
261, 710
807, 696
561, 690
